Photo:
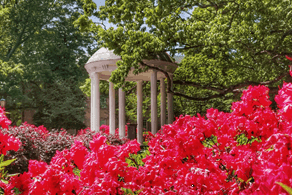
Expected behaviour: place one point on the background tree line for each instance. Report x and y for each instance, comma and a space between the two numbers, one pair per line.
42, 55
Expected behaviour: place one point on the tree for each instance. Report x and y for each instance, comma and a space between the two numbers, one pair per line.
227, 45
42, 38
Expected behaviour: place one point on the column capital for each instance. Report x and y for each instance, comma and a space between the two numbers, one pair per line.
93, 75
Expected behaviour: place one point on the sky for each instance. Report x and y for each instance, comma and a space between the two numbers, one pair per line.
100, 3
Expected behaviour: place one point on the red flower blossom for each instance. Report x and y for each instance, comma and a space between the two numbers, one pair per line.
4, 121
243, 152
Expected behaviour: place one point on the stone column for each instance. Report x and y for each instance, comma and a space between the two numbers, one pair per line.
121, 113
170, 104
111, 108
139, 113
154, 107
163, 101
92, 102
95, 102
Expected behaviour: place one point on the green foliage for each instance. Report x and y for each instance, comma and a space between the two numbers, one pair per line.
86, 87
62, 105
227, 44
10, 77
209, 142
17, 191
242, 139
5, 163
76, 171
135, 160
3, 174
130, 192
43, 55
287, 188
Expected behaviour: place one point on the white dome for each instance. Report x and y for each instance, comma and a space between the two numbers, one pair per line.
104, 62
103, 54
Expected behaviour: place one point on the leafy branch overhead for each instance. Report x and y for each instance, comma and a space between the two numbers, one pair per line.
227, 45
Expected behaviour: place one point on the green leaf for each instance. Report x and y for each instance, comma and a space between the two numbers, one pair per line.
7, 162
76, 172
287, 188
11, 175
127, 191
4, 181
16, 191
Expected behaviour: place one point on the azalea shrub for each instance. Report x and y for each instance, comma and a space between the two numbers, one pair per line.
40, 144
87, 135
37, 144
246, 151
8, 144
7, 141
4, 121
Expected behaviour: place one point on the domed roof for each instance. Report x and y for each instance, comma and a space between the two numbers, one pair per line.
104, 62
106, 54
103, 54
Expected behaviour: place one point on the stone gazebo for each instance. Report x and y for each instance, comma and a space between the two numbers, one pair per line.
100, 66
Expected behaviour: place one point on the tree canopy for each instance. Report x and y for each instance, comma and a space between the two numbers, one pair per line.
227, 45
43, 54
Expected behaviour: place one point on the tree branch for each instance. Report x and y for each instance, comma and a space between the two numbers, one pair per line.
134, 87
169, 82
101, 23
233, 15
196, 46
194, 84
270, 52
232, 89
287, 33
18, 43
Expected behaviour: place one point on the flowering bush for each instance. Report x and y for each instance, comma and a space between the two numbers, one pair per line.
243, 152
4, 121
106, 130
7, 143
86, 135
41, 145
37, 144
